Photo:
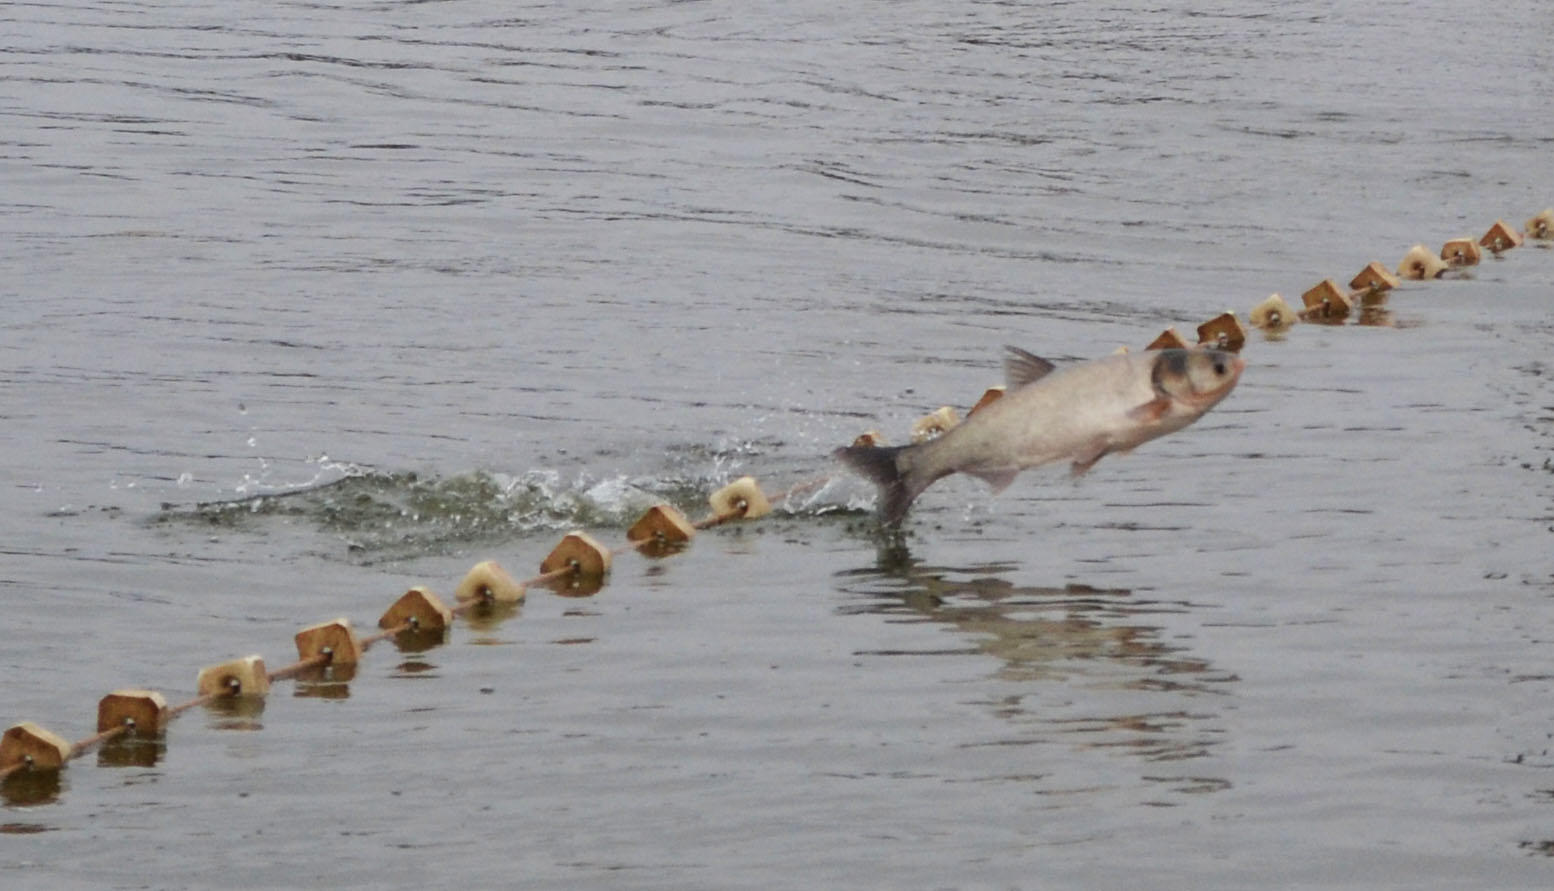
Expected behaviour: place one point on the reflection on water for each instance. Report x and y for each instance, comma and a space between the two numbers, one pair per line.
1077, 665
31, 787
132, 750
325, 682
236, 713
486, 617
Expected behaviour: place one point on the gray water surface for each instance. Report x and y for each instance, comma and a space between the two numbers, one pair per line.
309, 303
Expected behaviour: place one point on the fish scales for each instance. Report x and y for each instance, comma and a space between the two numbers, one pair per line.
1036, 425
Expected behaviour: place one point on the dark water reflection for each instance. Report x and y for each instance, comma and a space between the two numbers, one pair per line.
132, 751
1140, 694
30, 788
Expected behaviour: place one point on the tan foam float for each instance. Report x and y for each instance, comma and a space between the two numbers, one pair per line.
1325, 302
487, 580
741, 498
141, 712
581, 563
334, 641
1273, 315
1420, 264
239, 677
1169, 339
934, 423
1541, 227
1461, 252
421, 610
27, 744
1500, 238
1223, 332
660, 532
1372, 283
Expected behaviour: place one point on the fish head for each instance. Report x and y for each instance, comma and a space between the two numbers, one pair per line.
1198, 378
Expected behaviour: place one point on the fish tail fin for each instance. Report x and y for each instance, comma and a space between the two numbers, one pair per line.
880, 465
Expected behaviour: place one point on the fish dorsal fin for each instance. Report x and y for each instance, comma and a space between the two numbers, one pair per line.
1021, 368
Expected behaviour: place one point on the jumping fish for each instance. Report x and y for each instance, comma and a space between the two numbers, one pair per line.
1080, 413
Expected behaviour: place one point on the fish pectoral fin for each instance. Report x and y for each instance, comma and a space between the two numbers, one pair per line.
1021, 368
997, 478
1085, 458
1152, 411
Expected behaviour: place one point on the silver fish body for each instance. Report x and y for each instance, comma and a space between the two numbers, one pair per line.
1079, 413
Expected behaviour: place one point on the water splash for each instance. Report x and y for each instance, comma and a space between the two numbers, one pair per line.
402, 514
